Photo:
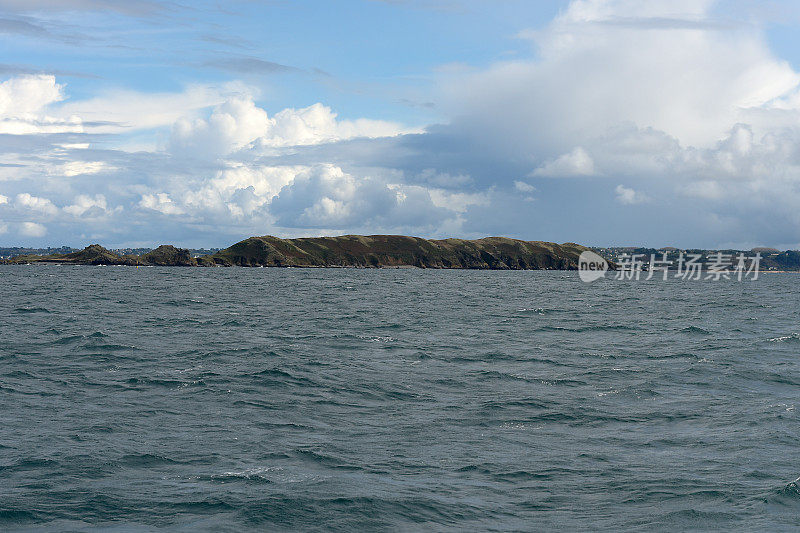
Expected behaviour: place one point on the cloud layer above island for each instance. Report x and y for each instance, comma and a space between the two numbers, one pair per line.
615, 122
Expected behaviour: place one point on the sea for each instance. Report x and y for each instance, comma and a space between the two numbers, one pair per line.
288, 399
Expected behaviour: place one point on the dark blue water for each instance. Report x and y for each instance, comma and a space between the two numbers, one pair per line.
295, 399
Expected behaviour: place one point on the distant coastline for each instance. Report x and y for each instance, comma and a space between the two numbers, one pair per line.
354, 251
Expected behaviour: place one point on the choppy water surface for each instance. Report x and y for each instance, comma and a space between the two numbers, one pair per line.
395, 399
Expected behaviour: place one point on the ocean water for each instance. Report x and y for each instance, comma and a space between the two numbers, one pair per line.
402, 400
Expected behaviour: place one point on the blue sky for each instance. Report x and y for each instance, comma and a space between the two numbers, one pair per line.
604, 122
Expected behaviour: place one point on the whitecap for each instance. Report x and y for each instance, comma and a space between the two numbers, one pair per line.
784, 338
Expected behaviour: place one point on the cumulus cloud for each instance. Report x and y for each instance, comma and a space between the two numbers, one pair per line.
522, 186
78, 168
224, 186
525, 188
628, 196
318, 124
32, 229
232, 125
326, 196
28, 94
306, 197
122, 111
578, 162
682, 106
3, 199
160, 202
86, 205
241, 190
238, 123
36, 203
458, 202
24, 103
688, 81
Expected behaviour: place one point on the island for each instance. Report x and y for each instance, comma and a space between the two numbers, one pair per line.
355, 251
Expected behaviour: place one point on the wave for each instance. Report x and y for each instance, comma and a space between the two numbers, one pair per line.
276, 376
146, 460
692, 519
361, 513
527, 403
166, 383
793, 337
109, 347
30, 310
694, 330
11, 515
584, 329
31, 464
69, 339
791, 490
258, 474
536, 311
316, 455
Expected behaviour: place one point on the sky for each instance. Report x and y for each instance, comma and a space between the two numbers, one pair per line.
602, 122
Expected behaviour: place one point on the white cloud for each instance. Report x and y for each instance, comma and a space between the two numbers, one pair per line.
160, 202
24, 103
225, 185
327, 197
240, 190
238, 122
31, 125
522, 186
36, 203
667, 96
3, 199
74, 146
78, 168
603, 63
318, 196
28, 94
32, 229
526, 189
318, 124
85, 204
628, 196
124, 111
3, 229
232, 125
458, 202
578, 162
